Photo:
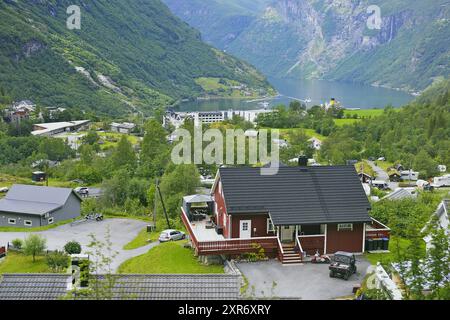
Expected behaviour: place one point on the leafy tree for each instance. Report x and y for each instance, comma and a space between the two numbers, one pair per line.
92, 138
438, 262
123, 156
34, 245
155, 149
87, 154
425, 164
72, 247
55, 149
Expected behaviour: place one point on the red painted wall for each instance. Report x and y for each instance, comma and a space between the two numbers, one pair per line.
221, 210
258, 221
349, 241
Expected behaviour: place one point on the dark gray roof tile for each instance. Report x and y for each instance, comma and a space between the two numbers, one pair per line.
296, 195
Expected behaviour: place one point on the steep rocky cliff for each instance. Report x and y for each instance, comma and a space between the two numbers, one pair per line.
331, 39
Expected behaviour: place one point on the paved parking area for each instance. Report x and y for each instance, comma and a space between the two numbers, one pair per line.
271, 279
122, 231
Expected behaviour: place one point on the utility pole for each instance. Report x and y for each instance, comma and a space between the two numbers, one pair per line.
156, 203
164, 207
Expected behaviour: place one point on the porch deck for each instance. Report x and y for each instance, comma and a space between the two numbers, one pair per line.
208, 242
203, 233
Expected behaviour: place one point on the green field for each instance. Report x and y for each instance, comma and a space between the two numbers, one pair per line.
366, 113
344, 122
309, 132
20, 263
166, 258
111, 139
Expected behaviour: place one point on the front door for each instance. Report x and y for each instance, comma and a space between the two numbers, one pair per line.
245, 229
287, 233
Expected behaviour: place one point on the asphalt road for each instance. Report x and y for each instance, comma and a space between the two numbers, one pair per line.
271, 279
122, 231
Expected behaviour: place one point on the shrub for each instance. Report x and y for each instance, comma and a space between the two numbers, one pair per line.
72, 247
259, 255
58, 261
17, 244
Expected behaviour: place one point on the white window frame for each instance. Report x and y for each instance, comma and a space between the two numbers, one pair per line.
12, 219
27, 223
269, 224
345, 227
51, 220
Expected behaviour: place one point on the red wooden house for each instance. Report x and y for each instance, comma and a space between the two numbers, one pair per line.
293, 214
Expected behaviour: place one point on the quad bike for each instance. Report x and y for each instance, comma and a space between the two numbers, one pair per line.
318, 258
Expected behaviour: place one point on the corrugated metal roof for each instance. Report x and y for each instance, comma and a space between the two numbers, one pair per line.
297, 195
127, 287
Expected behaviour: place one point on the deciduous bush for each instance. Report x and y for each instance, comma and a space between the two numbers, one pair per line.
72, 247
17, 244
57, 261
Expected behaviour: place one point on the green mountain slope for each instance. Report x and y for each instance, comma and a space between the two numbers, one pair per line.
418, 135
128, 55
330, 38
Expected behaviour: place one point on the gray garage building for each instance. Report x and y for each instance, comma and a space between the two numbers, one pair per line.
35, 206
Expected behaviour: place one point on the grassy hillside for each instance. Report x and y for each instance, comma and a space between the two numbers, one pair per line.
128, 55
418, 135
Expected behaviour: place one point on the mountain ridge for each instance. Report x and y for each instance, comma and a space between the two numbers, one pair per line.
330, 39
128, 56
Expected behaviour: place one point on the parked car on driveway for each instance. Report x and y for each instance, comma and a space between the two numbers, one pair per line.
171, 235
4, 190
343, 264
82, 191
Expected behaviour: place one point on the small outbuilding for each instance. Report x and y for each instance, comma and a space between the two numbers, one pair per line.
35, 206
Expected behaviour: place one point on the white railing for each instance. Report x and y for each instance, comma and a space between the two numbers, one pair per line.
300, 246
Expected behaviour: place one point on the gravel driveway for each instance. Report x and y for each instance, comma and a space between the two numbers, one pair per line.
271, 279
122, 231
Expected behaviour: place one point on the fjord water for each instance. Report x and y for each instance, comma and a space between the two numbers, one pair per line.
351, 95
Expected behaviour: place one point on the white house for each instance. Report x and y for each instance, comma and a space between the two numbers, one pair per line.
442, 221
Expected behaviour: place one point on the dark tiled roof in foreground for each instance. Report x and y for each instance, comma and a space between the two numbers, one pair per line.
297, 195
128, 287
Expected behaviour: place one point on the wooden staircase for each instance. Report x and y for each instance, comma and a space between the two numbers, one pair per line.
290, 255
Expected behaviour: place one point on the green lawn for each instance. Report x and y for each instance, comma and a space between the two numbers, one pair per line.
344, 122
364, 113
20, 263
309, 132
142, 239
385, 165
387, 258
169, 257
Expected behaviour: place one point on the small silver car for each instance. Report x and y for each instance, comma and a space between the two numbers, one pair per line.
171, 235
